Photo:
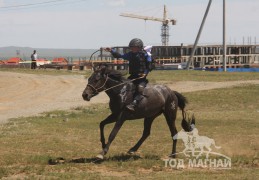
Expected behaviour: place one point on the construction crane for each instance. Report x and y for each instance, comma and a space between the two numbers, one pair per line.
165, 23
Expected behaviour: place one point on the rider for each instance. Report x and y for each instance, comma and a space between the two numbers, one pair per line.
139, 64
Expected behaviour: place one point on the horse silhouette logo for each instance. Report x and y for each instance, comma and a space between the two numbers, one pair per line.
194, 143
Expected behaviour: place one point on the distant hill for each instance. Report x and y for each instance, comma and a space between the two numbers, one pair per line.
25, 52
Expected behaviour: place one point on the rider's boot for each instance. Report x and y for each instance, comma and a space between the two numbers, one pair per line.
137, 99
132, 105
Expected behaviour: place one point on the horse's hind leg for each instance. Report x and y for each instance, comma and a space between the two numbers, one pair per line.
146, 132
170, 115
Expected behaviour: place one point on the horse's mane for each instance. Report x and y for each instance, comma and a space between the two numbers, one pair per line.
115, 75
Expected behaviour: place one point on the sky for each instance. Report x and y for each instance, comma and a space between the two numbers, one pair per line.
91, 24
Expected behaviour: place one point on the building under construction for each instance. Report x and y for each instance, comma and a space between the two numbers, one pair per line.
207, 56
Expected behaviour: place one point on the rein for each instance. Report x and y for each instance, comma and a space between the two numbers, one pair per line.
96, 89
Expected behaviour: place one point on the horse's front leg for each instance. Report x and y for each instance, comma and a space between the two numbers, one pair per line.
112, 135
110, 119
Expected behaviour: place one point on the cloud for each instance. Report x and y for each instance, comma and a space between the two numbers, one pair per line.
115, 3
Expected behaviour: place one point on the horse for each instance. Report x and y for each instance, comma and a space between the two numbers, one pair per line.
157, 99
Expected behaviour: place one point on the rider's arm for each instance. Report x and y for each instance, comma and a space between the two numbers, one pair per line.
118, 55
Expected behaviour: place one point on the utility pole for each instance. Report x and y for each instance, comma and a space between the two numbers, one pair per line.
224, 36
198, 36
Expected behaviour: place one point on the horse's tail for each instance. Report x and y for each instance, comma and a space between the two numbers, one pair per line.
182, 101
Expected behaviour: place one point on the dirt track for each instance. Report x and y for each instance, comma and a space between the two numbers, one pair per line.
28, 94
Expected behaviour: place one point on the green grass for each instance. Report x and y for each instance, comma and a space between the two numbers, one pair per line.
192, 75
229, 116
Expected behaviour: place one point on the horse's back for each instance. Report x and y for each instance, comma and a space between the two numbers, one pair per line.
161, 91
158, 96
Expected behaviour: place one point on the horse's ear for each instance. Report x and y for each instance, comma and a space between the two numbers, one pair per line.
96, 67
103, 68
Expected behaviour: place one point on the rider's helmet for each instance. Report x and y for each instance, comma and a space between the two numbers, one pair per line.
136, 42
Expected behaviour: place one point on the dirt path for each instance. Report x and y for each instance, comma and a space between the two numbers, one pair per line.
29, 94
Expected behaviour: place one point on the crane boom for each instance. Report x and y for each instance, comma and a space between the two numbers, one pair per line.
164, 21
141, 17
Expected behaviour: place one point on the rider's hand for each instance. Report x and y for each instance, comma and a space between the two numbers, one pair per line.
108, 49
142, 75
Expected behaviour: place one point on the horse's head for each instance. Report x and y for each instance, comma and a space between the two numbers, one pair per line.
96, 82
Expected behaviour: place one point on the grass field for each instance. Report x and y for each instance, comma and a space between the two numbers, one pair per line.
230, 116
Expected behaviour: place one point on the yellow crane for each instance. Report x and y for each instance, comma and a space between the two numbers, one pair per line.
165, 23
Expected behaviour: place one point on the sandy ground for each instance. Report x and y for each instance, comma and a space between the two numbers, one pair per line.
28, 94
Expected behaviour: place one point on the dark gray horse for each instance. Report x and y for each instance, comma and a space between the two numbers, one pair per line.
157, 99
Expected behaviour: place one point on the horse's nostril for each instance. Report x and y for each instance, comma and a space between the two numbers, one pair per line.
86, 97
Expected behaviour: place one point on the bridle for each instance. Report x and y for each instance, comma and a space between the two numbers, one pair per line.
97, 89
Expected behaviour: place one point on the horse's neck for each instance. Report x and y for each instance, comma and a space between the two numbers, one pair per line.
114, 87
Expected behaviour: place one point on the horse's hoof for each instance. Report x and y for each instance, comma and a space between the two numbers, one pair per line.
59, 160
172, 156
131, 152
100, 156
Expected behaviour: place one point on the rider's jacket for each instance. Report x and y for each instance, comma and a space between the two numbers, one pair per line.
138, 62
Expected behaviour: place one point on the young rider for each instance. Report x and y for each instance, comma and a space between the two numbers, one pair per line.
139, 64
